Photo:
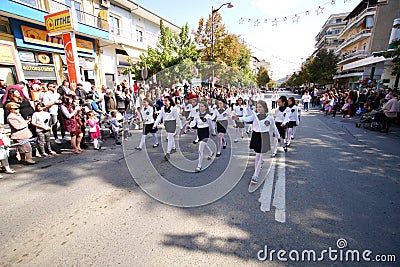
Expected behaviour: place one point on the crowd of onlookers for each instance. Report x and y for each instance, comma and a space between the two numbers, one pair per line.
351, 103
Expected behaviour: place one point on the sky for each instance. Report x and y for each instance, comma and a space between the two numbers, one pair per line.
284, 43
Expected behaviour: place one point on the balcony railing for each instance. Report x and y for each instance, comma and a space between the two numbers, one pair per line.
353, 55
356, 37
353, 21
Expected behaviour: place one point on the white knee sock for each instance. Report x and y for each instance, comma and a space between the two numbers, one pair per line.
237, 134
201, 150
276, 140
171, 143
142, 140
96, 143
213, 125
155, 138
294, 131
288, 135
258, 164
220, 142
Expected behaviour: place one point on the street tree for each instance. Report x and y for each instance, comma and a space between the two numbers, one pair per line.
323, 67
262, 77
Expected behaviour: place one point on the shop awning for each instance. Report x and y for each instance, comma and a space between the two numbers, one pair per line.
363, 62
133, 53
354, 74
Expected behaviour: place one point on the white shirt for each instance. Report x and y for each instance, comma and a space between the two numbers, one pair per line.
173, 115
306, 98
115, 124
274, 97
222, 114
202, 121
147, 114
194, 111
48, 97
282, 117
262, 125
41, 118
293, 114
239, 110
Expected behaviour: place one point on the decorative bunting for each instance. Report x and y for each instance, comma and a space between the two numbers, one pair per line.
295, 18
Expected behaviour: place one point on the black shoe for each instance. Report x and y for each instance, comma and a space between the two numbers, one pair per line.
167, 156
217, 155
195, 142
173, 150
138, 148
285, 148
224, 146
155, 145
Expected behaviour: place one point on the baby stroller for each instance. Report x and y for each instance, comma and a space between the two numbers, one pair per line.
372, 120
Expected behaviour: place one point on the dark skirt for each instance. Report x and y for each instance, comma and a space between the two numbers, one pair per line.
203, 134
170, 126
239, 124
186, 114
260, 142
281, 130
222, 126
148, 128
291, 124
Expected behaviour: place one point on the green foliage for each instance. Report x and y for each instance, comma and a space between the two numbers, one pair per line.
172, 49
262, 76
228, 50
395, 55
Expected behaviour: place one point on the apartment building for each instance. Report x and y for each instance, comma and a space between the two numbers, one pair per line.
328, 36
107, 34
367, 31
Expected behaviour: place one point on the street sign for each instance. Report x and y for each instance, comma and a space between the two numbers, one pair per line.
59, 22
144, 73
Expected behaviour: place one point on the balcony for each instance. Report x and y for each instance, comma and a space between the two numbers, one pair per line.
364, 34
350, 57
132, 38
34, 11
371, 11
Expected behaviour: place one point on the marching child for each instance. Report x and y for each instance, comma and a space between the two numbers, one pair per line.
222, 114
298, 116
239, 111
281, 121
94, 130
41, 120
293, 119
203, 122
148, 120
260, 139
4, 151
169, 114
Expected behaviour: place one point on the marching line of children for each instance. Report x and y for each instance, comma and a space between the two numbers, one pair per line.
206, 119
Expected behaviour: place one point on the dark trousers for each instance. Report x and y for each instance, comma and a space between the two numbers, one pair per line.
305, 106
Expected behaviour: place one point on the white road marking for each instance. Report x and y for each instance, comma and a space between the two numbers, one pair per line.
266, 192
279, 201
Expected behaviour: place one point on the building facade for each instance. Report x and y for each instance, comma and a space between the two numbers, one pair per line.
367, 31
328, 36
107, 34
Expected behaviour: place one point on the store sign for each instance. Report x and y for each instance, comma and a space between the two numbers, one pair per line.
39, 71
58, 22
6, 54
26, 56
37, 36
69, 54
44, 58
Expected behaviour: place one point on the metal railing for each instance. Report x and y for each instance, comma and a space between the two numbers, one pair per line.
83, 17
353, 38
354, 20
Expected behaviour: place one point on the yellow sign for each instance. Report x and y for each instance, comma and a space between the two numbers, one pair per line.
43, 58
58, 22
6, 54
37, 36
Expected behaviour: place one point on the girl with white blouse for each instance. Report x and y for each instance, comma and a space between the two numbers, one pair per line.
170, 116
262, 123
203, 123
281, 121
240, 111
147, 113
222, 113
293, 119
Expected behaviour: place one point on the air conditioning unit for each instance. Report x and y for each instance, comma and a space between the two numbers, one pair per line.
105, 3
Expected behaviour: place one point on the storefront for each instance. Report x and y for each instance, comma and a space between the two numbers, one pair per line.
42, 56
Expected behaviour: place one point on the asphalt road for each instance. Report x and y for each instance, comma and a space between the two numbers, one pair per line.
336, 182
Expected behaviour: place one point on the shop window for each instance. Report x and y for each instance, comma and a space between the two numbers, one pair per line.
4, 25
114, 24
139, 35
30, 2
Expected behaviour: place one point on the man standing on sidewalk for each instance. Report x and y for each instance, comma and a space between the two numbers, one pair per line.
306, 100
390, 109
51, 99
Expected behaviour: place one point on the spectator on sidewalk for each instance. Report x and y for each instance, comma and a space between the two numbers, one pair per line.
390, 109
72, 123
110, 102
41, 120
306, 100
51, 99
4, 151
20, 132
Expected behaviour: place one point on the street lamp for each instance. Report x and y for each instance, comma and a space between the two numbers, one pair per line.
229, 5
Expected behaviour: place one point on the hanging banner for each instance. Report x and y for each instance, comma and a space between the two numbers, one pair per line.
71, 56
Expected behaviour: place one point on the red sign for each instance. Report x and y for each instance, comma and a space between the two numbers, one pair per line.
69, 54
